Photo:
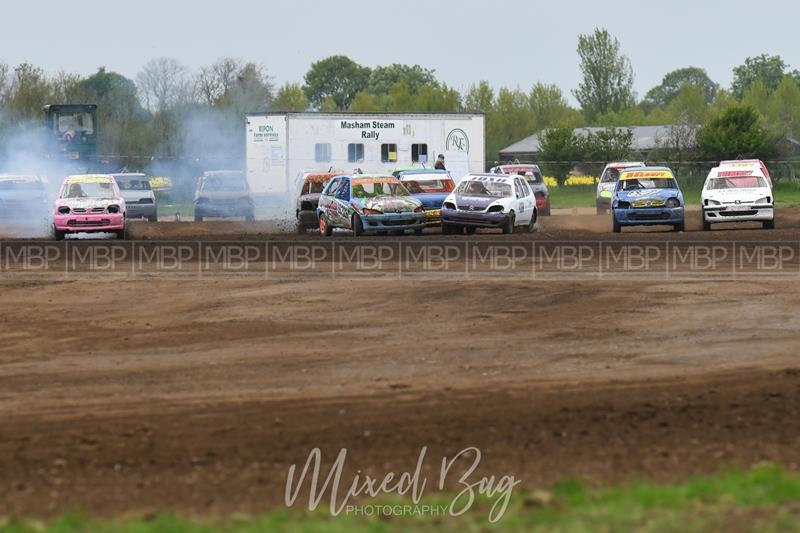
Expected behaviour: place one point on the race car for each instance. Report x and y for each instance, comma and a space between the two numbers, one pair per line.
608, 182
368, 203
223, 193
23, 201
140, 200
89, 203
737, 194
533, 175
647, 196
502, 201
307, 202
430, 187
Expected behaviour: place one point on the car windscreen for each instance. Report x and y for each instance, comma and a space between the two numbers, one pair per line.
610, 175
89, 189
496, 189
363, 188
220, 184
21, 185
312, 187
646, 183
737, 182
428, 185
133, 184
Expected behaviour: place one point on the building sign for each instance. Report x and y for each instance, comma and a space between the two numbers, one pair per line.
369, 129
265, 133
457, 141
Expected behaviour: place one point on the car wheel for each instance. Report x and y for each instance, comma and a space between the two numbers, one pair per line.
58, 235
418, 231
121, 234
680, 227
198, 218
532, 224
325, 229
152, 218
601, 210
447, 229
769, 224
470, 230
705, 223
357, 225
301, 228
508, 226
616, 226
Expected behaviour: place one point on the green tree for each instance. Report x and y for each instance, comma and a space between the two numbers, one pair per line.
783, 108
337, 78
549, 107
768, 69
757, 96
663, 94
607, 76
382, 79
735, 133
290, 98
479, 98
559, 149
689, 105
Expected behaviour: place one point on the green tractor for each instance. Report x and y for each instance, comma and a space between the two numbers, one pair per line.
72, 130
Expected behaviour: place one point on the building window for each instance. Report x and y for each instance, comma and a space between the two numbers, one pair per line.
355, 152
388, 153
322, 152
419, 153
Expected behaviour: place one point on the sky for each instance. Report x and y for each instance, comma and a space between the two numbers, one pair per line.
512, 43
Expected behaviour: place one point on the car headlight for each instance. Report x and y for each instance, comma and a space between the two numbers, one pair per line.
418, 209
63, 210
673, 203
113, 209
495, 209
712, 202
623, 205
765, 200
449, 205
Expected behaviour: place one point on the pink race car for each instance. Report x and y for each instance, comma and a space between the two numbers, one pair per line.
89, 204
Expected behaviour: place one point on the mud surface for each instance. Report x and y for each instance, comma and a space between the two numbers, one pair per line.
139, 393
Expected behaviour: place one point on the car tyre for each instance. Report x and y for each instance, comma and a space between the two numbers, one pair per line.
680, 227
616, 225
508, 225
198, 218
418, 231
357, 225
121, 234
301, 228
532, 224
470, 230
768, 224
325, 229
706, 223
601, 210
59, 235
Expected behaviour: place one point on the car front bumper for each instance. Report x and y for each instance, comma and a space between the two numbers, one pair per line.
433, 217
649, 216
393, 221
308, 219
478, 219
738, 213
140, 210
81, 223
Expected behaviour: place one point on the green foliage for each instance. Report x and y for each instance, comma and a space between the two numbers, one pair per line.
663, 94
561, 148
382, 79
290, 97
335, 80
770, 70
735, 133
783, 108
607, 76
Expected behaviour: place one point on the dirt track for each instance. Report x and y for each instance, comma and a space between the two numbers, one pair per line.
123, 394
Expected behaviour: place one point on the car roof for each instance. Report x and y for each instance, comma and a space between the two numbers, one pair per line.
625, 164
77, 177
321, 177
422, 171
506, 178
19, 177
745, 171
130, 175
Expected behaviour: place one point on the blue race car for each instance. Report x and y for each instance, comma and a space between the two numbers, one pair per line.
430, 187
647, 196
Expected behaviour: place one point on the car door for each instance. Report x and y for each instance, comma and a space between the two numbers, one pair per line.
342, 200
327, 200
526, 199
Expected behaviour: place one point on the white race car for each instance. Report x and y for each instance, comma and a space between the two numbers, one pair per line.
737, 195
489, 201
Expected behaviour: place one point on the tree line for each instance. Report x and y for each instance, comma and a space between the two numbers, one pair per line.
168, 111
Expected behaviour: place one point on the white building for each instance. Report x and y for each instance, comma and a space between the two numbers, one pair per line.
281, 146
